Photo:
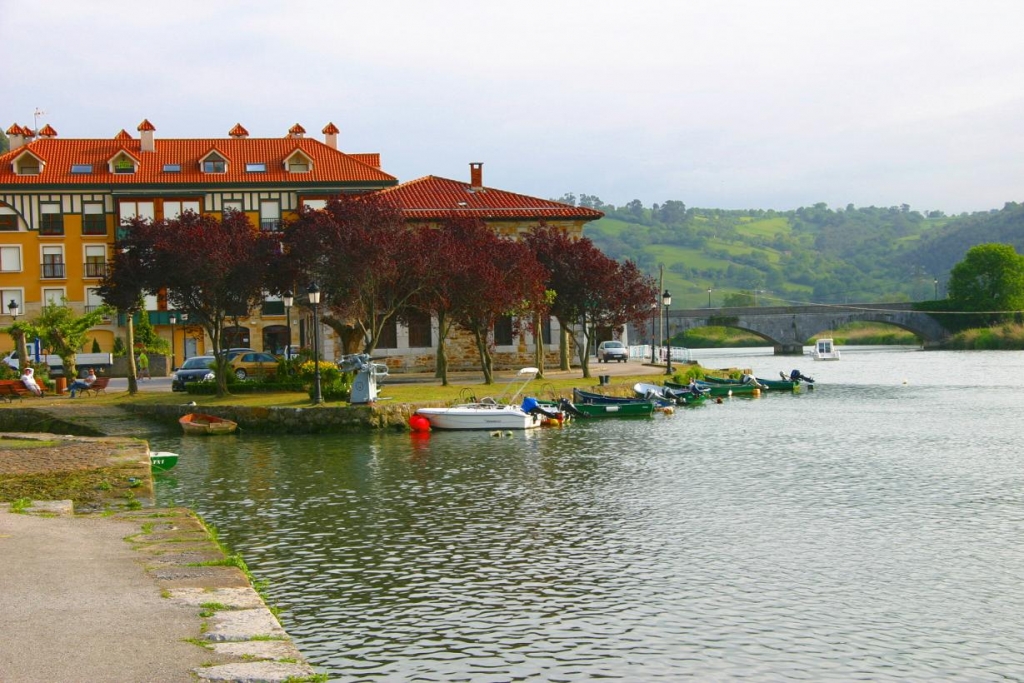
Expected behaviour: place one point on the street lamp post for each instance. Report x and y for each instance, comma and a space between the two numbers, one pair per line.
184, 337
314, 300
654, 317
173, 319
14, 309
289, 299
709, 297
936, 283
666, 300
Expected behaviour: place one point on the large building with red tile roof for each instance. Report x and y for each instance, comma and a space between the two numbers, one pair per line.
62, 201
431, 199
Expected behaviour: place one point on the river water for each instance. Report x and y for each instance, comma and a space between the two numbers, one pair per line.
869, 529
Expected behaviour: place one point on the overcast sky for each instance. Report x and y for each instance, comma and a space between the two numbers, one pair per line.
717, 103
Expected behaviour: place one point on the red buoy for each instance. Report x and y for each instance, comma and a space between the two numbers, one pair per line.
418, 423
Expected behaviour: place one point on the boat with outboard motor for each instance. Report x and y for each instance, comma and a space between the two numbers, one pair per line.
691, 396
493, 413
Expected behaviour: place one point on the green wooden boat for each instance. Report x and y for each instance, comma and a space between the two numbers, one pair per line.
622, 408
161, 461
630, 409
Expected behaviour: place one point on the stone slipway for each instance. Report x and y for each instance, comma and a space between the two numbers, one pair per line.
135, 596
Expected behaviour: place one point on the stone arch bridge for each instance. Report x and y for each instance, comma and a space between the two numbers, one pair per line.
788, 327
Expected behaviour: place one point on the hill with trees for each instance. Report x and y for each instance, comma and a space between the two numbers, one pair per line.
811, 254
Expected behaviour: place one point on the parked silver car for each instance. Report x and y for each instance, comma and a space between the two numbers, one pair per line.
612, 350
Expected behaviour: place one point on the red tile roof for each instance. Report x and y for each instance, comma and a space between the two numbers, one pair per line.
238, 131
330, 129
433, 198
329, 165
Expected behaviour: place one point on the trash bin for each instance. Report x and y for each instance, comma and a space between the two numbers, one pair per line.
62, 384
605, 380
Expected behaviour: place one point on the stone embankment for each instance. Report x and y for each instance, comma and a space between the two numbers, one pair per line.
318, 420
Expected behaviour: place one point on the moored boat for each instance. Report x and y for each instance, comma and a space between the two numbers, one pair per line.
825, 349
161, 461
721, 390
626, 409
203, 424
487, 413
682, 397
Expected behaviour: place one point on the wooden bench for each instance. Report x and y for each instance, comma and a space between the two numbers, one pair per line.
97, 387
11, 389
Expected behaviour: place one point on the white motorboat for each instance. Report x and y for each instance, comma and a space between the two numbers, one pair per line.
487, 413
825, 349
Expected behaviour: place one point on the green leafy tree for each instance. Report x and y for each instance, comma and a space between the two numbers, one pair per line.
990, 278
20, 332
65, 333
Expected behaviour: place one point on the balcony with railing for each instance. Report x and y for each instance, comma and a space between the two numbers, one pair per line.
53, 271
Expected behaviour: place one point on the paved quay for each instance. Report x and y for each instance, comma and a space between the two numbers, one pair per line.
131, 595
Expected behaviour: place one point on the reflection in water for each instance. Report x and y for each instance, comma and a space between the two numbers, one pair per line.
868, 529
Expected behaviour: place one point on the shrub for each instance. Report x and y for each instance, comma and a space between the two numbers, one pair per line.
329, 372
338, 390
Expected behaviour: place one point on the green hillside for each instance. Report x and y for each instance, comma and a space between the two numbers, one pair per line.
812, 254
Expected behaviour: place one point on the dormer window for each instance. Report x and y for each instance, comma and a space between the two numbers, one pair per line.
123, 164
214, 162
28, 164
298, 162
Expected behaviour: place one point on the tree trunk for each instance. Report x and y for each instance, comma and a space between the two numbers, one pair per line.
441, 357
538, 345
563, 347
22, 346
133, 377
485, 356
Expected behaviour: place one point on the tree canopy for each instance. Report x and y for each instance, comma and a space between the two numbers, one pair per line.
990, 278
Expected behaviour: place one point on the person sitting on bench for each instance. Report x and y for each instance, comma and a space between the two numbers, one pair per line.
29, 380
80, 384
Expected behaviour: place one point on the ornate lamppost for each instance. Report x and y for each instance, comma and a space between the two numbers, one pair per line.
288, 299
174, 319
14, 309
666, 300
314, 300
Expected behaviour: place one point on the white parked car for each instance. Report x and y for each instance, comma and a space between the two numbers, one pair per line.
612, 350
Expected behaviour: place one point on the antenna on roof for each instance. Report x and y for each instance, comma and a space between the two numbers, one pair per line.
35, 119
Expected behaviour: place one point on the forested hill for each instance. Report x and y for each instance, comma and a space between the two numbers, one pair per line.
812, 254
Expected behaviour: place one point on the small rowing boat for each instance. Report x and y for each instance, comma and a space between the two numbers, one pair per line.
200, 423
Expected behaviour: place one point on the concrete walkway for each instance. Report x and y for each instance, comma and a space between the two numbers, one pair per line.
137, 596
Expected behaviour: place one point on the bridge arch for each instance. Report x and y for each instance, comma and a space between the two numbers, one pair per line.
787, 327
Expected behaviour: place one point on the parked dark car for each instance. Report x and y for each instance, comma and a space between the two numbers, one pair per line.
195, 369
612, 350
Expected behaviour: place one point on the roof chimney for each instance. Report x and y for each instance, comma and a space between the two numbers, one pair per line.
146, 134
238, 132
296, 131
16, 136
330, 132
47, 131
476, 175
